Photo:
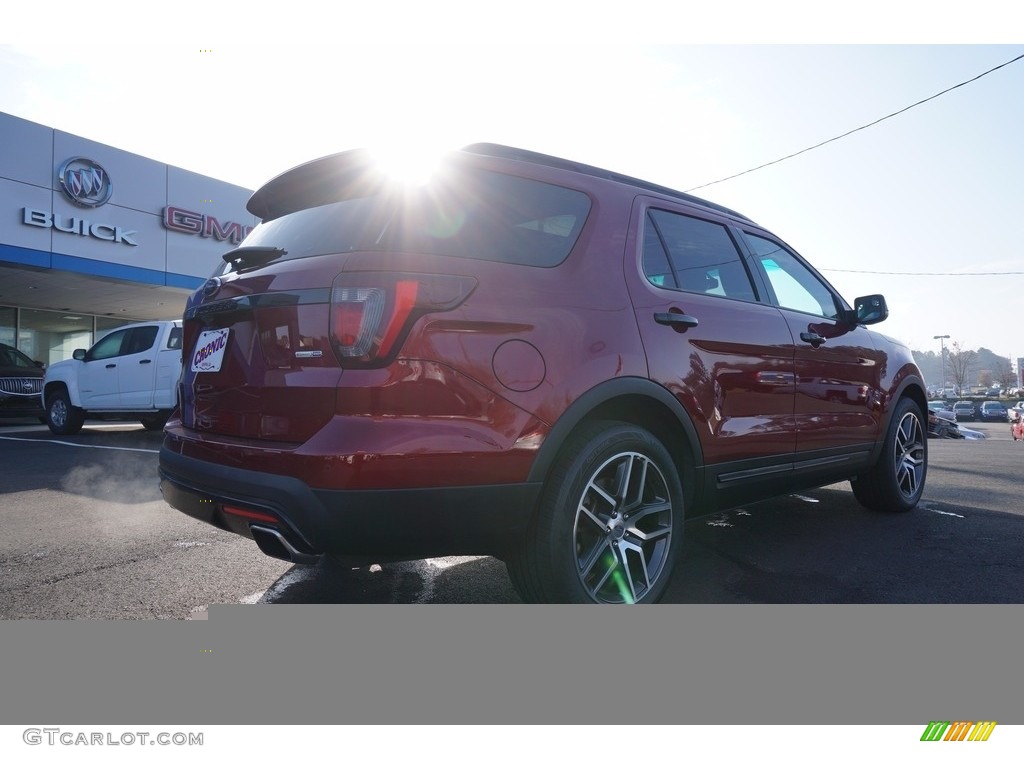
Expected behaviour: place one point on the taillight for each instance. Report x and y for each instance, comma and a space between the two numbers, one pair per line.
372, 311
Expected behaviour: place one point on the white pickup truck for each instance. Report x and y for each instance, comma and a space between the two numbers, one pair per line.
131, 372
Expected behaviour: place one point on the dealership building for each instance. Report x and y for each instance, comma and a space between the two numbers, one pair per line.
93, 237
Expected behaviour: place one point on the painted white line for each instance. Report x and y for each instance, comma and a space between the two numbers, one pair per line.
805, 498
77, 445
930, 508
252, 599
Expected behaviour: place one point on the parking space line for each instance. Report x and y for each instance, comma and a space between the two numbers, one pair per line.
77, 445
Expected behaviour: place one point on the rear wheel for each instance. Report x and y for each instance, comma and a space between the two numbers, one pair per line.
61, 416
609, 521
896, 482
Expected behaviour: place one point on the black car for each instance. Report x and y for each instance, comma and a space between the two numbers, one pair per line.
21, 384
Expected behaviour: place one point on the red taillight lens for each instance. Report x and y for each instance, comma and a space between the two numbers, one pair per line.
371, 312
355, 316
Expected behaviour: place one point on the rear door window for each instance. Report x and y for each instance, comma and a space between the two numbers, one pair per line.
690, 254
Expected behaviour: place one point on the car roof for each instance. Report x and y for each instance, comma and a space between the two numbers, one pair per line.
318, 179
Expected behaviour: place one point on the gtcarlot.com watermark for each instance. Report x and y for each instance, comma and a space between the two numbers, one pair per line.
58, 736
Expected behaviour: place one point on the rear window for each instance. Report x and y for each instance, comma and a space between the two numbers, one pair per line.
470, 214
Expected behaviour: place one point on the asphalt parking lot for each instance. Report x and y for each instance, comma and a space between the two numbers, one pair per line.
87, 535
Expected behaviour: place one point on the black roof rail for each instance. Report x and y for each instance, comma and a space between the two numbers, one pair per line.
525, 155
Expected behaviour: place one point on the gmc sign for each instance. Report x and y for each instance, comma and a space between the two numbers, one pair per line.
192, 223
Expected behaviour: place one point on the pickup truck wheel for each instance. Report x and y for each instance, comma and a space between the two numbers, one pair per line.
609, 522
155, 421
61, 416
896, 482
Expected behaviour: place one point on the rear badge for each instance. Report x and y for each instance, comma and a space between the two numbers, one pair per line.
209, 354
309, 353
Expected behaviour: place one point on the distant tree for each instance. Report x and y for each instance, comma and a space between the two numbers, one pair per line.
959, 362
985, 378
1003, 372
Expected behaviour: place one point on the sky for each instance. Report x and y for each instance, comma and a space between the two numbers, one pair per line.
936, 191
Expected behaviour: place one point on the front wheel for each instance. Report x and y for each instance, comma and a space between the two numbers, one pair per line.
896, 482
62, 417
609, 522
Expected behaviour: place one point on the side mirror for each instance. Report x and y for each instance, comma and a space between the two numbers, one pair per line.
868, 310
79, 354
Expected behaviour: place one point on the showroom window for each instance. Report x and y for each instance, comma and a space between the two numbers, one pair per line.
50, 337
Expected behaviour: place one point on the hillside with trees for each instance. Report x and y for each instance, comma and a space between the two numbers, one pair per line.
966, 368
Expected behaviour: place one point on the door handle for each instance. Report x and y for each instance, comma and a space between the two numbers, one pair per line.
110, 365
142, 362
675, 319
814, 339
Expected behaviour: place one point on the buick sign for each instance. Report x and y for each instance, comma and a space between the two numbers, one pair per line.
85, 182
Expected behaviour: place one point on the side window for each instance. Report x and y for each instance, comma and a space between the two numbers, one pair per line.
174, 338
795, 286
694, 255
141, 339
107, 347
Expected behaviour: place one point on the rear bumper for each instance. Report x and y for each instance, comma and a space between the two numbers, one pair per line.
375, 524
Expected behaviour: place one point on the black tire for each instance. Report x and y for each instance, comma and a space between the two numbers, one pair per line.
61, 416
155, 421
896, 482
609, 521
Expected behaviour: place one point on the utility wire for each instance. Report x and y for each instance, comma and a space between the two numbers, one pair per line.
921, 274
861, 128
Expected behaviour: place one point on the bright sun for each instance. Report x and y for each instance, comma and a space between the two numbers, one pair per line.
411, 163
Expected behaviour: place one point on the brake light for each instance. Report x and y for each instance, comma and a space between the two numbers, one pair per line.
371, 312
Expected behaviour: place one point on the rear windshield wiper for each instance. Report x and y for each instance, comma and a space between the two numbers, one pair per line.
252, 256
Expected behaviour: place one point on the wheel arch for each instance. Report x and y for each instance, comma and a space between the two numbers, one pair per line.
58, 385
913, 387
635, 401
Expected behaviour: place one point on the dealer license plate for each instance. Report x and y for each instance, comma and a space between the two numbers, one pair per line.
209, 354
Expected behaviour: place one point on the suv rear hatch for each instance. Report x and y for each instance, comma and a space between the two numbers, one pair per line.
342, 266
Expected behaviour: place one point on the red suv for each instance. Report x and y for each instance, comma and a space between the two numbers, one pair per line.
529, 358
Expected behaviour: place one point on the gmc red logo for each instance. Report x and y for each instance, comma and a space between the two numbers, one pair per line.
192, 223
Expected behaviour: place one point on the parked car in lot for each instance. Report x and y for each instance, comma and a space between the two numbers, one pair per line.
941, 427
1013, 413
941, 410
21, 384
964, 410
530, 358
992, 410
131, 372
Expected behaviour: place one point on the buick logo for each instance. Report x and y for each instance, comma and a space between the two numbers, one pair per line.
85, 182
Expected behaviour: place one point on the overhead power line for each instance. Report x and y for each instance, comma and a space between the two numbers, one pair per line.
861, 128
923, 274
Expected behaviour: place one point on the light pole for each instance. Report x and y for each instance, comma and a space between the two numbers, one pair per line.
942, 358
